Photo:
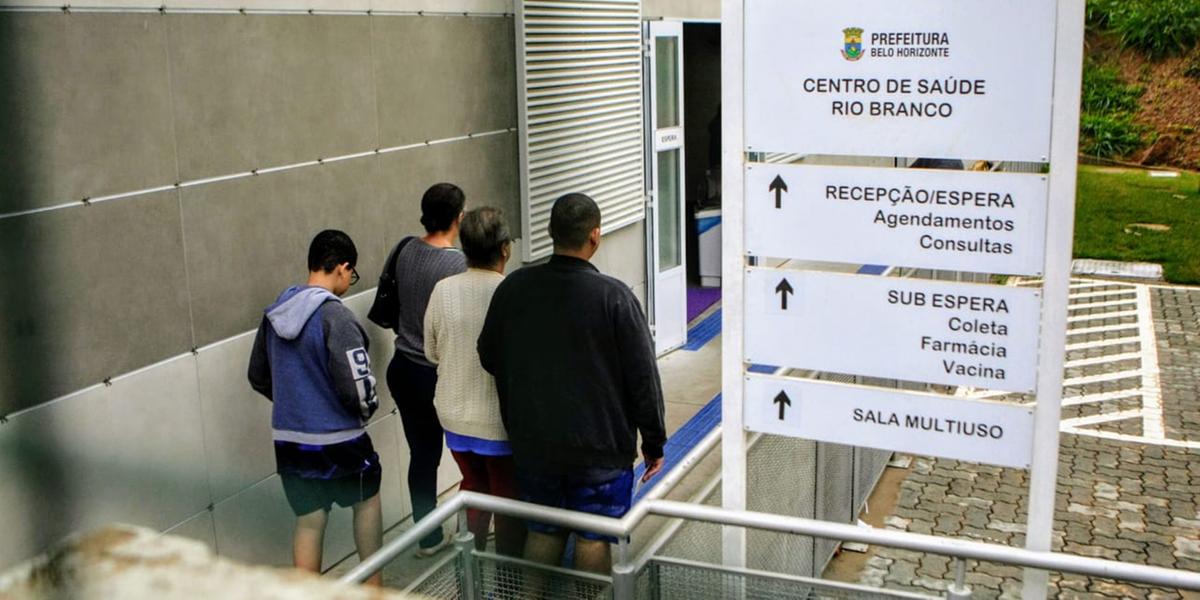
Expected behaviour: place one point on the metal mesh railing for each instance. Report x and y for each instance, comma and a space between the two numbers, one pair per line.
445, 583
502, 578
668, 580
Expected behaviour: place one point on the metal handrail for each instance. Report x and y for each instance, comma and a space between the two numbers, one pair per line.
919, 542
462, 500
654, 505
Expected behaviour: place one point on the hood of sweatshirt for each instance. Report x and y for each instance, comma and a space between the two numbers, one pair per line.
294, 307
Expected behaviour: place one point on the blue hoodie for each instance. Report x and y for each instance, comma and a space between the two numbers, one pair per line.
310, 359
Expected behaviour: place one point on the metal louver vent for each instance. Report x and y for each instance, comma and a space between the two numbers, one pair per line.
579, 66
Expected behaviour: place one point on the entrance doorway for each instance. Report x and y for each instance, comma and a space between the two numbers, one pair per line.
683, 167
665, 252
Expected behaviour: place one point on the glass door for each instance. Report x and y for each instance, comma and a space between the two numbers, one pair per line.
665, 251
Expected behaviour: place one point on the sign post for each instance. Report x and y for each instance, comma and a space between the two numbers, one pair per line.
960, 79
733, 272
1043, 477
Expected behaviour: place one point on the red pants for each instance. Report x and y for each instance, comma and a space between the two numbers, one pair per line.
491, 475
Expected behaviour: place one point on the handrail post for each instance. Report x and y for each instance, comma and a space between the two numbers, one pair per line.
469, 572
959, 589
623, 575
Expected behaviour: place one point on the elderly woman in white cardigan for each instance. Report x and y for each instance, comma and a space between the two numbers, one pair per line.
465, 398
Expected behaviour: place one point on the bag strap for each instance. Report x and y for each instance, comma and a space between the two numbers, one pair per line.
389, 267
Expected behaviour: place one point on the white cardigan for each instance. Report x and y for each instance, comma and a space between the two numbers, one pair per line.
465, 397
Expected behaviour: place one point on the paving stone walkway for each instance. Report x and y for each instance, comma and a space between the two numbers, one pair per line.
1129, 459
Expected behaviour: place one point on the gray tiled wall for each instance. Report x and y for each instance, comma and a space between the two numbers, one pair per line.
98, 104
94, 104
75, 132
123, 290
89, 293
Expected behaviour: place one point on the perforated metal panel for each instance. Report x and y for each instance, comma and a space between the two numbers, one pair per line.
868, 467
835, 494
781, 479
669, 580
579, 73
695, 540
781, 476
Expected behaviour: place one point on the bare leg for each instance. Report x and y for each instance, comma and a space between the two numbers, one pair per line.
543, 548
308, 541
368, 532
593, 555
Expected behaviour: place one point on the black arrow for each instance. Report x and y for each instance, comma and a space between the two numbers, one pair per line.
782, 400
783, 289
779, 186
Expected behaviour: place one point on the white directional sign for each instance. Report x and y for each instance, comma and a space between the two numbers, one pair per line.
935, 78
954, 220
926, 424
911, 329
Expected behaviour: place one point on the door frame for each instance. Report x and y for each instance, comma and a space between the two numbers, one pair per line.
657, 141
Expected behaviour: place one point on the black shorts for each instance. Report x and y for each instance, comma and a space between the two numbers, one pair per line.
317, 476
309, 495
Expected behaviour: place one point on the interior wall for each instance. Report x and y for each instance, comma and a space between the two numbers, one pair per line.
129, 316
702, 100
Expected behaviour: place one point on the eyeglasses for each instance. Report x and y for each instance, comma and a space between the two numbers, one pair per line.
353, 276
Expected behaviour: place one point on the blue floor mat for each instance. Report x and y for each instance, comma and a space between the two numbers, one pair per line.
682, 441
704, 331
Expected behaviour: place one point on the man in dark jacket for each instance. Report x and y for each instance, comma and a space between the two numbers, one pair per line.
310, 359
577, 380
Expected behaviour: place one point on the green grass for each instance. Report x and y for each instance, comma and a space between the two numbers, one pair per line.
1109, 201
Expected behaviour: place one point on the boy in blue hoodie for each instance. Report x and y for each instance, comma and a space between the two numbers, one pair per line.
310, 359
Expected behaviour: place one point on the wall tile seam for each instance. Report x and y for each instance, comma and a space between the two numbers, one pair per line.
207, 511
163, 9
215, 503
89, 201
192, 353
107, 382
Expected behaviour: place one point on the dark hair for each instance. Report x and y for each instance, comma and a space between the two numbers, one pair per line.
329, 249
440, 206
937, 163
483, 233
572, 219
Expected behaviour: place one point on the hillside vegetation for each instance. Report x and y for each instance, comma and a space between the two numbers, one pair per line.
1141, 91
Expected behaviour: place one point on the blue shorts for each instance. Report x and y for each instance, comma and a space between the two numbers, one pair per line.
605, 492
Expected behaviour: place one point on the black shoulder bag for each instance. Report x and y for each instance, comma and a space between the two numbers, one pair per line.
385, 311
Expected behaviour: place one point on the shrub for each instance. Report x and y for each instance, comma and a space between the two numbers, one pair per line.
1192, 67
1109, 135
1157, 27
1106, 127
1105, 93
1098, 11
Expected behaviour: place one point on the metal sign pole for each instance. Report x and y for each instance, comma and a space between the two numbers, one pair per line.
733, 272
1060, 225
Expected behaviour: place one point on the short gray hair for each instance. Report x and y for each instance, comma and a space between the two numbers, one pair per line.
484, 235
